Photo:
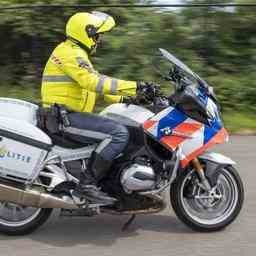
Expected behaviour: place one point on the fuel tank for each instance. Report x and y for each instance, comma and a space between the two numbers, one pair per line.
132, 117
128, 115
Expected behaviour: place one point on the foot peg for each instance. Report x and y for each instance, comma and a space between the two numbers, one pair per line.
91, 195
78, 199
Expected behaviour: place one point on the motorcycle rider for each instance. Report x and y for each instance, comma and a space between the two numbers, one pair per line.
70, 80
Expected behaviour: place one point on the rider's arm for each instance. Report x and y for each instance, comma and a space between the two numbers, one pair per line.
80, 70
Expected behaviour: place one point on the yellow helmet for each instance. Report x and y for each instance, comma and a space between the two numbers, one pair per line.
84, 27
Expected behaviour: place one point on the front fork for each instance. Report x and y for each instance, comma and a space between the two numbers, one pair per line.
199, 169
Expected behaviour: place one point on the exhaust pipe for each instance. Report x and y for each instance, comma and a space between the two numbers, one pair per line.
34, 198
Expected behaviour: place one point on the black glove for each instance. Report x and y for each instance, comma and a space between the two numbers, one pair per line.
148, 90
130, 100
135, 100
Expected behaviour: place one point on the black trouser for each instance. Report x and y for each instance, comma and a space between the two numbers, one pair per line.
112, 136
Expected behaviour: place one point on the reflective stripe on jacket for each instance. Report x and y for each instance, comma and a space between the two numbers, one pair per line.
70, 79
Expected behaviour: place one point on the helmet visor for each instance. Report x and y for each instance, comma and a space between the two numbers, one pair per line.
107, 22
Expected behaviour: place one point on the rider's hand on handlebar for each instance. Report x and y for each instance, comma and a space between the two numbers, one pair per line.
148, 90
135, 100
130, 100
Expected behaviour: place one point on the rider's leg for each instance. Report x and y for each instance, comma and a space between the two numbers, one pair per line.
114, 138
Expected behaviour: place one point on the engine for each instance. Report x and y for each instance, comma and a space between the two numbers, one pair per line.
138, 177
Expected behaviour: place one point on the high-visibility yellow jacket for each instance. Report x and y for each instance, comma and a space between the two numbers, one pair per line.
70, 79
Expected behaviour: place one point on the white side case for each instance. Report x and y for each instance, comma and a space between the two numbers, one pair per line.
18, 109
23, 146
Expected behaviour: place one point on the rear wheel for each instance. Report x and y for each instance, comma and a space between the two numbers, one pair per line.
18, 220
208, 211
21, 220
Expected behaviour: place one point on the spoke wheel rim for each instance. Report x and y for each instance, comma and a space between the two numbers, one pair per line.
215, 210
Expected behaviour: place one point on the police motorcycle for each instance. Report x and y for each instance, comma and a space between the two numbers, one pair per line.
167, 151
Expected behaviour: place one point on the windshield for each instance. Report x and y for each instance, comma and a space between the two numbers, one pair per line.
183, 68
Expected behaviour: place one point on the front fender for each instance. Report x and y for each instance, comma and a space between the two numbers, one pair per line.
216, 158
213, 163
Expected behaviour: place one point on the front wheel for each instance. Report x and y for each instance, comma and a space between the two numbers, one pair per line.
204, 211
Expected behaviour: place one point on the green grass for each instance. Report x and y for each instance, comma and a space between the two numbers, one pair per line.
240, 122
20, 92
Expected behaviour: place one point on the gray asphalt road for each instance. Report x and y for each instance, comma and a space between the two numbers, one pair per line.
160, 234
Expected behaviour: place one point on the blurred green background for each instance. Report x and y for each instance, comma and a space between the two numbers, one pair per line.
218, 43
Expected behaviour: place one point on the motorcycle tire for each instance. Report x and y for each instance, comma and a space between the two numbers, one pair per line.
204, 221
26, 227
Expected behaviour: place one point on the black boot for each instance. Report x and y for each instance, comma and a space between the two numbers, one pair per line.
87, 187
